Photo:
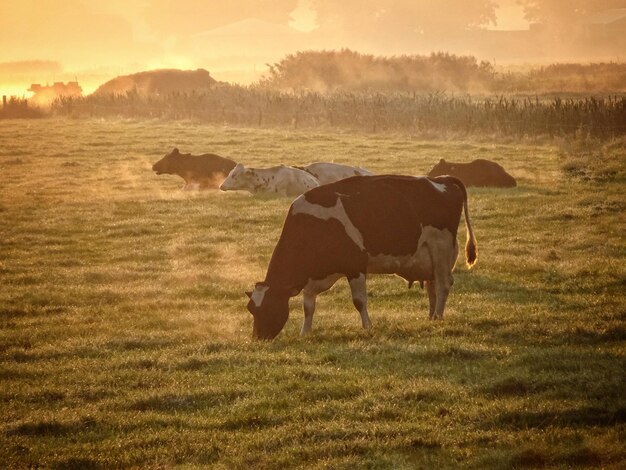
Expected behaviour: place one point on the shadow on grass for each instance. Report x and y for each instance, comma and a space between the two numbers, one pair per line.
252, 422
497, 289
131, 344
578, 417
52, 428
540, 458
171, 403
77, 463
513, 387
581, 336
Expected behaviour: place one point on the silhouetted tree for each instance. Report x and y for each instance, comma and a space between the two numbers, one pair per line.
562, 14
350, 70
406, 19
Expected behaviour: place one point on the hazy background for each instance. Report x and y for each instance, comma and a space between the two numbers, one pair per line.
93, 41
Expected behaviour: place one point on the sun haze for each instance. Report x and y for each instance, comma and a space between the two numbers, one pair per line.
93, 41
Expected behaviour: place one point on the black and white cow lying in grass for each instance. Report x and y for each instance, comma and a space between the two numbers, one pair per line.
282, 180
331, 172
400, 225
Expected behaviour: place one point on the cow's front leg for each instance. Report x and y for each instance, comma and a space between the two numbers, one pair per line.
359, 298
308, 304
309, 294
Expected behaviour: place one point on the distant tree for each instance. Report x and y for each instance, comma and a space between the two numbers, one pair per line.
349, 70
407, 18
562, 14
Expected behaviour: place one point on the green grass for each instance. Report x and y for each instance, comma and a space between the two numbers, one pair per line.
124, 338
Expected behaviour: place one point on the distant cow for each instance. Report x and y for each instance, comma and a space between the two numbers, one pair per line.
331, 172
477, 173
199, 171
400, 225
282, 180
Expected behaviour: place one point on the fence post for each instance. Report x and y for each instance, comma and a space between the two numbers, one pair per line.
4, 102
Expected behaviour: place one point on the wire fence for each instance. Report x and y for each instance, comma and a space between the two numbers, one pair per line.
239, 106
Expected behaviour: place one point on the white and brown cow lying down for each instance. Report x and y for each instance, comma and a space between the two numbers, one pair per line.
282, 180
331, 172
400, 225
479, 172
199, 171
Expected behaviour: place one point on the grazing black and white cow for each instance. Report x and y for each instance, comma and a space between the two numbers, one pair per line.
282, 180
331, 172
400, 225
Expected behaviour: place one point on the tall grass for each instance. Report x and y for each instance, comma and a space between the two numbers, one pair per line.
436, 113
18, 108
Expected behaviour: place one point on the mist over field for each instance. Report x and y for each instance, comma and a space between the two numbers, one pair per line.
236, 40
126, 335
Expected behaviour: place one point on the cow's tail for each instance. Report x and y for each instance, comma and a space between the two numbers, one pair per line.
471, 247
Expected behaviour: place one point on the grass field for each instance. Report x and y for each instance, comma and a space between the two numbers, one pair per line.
124, 338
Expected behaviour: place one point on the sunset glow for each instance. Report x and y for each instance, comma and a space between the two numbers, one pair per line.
312, 234
121, 37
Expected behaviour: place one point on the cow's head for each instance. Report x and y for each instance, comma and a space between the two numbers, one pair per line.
270, 309
168, 164
239, 177
441, 168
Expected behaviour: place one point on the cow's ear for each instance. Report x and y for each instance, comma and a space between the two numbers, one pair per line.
249, 294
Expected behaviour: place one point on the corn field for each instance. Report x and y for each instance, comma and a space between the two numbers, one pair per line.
371, 112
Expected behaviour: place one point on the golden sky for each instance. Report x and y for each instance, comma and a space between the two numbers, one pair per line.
234, 39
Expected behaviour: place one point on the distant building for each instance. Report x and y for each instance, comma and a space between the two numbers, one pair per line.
57, 90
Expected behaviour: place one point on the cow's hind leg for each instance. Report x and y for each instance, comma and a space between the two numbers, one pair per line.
443, 254
358, 286
309, 295
443, 283
432, 298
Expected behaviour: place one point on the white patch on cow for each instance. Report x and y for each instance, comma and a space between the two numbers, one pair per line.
438, 186
419, 266
258, 295
338, 212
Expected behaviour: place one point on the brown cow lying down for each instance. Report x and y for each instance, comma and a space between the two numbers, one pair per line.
477, 173
199, 171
